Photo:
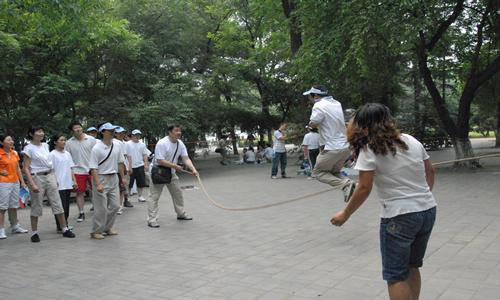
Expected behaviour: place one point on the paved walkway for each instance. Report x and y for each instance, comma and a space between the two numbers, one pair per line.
289, 251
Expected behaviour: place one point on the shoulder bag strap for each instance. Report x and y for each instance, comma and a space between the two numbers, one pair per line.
108, 154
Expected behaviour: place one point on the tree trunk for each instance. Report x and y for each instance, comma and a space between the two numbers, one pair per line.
463, 149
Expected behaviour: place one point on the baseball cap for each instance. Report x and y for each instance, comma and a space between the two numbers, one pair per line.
107, 126
136, 131
120, 129
91, 129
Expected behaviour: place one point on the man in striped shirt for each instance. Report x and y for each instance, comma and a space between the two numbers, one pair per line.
279, 152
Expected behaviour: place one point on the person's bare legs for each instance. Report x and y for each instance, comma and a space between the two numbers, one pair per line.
2, 218
139, 191
62, 220
408, 289
415, 283
34, 223
80, 201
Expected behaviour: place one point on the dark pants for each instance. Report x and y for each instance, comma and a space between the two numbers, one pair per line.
65, 195
279, 157
313, 154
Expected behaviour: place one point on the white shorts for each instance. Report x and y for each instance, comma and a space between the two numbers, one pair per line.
9, 195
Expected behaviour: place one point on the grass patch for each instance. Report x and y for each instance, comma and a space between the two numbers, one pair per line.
475, 135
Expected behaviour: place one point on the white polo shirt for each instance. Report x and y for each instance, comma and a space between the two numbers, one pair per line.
99, 153
328, 113
136, 151
165, 150
80, 151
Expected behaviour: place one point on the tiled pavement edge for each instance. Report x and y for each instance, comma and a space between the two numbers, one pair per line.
284, 252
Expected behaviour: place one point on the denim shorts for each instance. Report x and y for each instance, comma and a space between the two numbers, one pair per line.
403, 241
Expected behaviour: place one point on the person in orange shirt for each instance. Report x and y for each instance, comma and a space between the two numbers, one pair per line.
9, 184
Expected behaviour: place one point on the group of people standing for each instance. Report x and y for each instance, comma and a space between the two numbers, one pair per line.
109, 166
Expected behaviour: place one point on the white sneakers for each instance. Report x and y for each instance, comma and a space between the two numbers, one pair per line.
141, 199
19, 229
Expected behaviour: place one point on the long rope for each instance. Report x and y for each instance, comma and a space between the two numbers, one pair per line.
313, 194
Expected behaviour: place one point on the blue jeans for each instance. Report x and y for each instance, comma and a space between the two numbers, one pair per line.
279, 157
403, 241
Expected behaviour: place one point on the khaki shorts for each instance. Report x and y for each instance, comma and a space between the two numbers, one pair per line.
9, 195
47, 184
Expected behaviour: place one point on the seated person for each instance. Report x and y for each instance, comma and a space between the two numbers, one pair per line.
260, 156
269, 153
250, 155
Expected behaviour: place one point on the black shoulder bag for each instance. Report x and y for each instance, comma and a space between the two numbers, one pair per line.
161, 174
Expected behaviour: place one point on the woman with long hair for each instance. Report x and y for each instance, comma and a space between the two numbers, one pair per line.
400, 168
63, 169
38, 168
10, 178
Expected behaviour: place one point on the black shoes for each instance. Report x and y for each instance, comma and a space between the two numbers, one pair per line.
185, 217
35, 238
68, 234
81, 217
127, 203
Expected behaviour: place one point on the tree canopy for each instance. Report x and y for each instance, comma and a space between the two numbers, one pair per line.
218, 66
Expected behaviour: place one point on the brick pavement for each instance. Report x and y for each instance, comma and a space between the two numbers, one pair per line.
283, 252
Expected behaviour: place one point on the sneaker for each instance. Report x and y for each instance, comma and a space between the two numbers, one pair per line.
92, 208
127, 203
141, 199
285, 176
70, 227
2, 234
120, 211
68, 234
81, 217
59, 230
153, 224
184, 217
348, 190
19, 229
35, 238
274, 177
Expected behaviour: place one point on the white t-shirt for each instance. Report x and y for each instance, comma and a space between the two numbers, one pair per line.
269, 153
165, 150
40, 159
63, 162
250, 156
311, 140
136, 151
328, 113
80, 151
399, 179
100, 152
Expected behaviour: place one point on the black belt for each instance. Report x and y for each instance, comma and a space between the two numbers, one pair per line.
109, 174
41, 173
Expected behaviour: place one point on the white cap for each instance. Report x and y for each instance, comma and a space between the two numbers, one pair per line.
107, 126
119, 129
316, 91
136, 131
91, 129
